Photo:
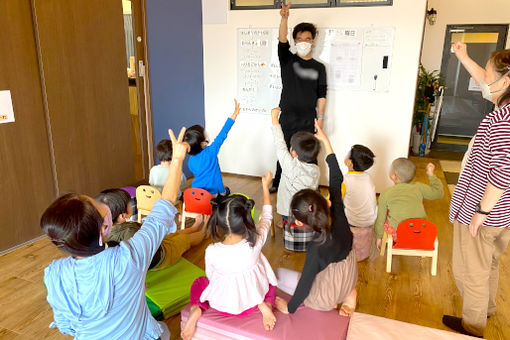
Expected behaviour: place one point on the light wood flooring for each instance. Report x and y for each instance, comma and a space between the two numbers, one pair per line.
408, 294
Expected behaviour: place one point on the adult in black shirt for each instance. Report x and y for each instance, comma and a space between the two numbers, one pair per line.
304, 83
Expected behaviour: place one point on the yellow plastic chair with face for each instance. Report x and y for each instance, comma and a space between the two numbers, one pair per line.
146, 196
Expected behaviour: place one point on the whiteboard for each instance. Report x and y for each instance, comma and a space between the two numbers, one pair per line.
355, 59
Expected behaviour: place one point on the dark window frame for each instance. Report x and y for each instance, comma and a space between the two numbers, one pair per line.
329, 4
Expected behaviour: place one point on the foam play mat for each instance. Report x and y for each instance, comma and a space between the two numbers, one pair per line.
168, 289
305, 323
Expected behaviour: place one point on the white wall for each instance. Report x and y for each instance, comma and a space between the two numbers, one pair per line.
457, 12
380, 121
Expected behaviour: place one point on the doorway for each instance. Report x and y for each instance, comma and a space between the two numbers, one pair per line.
463, 106
136, 66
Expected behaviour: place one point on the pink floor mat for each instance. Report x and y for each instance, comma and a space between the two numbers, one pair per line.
305, 323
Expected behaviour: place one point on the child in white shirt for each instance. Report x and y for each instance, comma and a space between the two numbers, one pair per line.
359, 198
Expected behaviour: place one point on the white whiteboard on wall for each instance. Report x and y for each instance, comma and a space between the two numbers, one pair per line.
355, 59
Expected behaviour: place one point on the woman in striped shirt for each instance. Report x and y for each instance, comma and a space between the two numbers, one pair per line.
480, 206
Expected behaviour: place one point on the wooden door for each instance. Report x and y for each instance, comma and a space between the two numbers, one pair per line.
26, 181
83, 55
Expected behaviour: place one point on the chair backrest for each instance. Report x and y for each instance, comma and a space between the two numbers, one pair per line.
197, 201
146, 196
416, 233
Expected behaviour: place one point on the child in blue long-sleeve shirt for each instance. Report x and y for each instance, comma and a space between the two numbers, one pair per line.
98, 292
203, 160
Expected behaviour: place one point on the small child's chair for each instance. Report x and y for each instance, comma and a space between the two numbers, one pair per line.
415, 237
196, 202
146, 196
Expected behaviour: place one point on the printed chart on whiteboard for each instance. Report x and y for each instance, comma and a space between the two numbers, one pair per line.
259, 79
355, 59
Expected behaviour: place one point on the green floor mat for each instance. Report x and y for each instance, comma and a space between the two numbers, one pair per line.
168, 289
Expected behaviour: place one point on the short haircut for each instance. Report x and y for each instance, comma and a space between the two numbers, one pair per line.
304, 27
306, 146
116, 199
362, 158
164, 150
404, 169
124, 231
194, 136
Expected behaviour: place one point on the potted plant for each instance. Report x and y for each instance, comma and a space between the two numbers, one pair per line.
426, 90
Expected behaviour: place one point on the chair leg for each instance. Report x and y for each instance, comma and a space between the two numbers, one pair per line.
139, 216
433, 270
272, 228
383, 245
389, 255
183, 216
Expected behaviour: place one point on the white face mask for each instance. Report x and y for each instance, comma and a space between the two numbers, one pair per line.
486, 88
303, 48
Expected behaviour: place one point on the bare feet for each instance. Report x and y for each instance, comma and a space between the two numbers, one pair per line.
349, 305
268, 317
191, 324
281, 305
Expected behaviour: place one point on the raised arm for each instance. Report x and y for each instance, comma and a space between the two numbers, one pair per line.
222, 135
284, 23
173, 181
266, 219
435, 189
282, 152
475, 70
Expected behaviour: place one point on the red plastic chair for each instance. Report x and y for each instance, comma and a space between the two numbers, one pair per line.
196, 202
415, 237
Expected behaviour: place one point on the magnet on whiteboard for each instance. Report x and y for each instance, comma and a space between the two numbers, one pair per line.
139, 38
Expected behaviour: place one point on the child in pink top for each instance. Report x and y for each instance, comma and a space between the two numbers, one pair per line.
239, 277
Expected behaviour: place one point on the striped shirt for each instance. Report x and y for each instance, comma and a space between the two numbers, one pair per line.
488, 161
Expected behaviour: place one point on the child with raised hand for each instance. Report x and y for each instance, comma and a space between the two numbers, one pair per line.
299, 171
330, 271
99, 292
239, 277
203, 160
404, 200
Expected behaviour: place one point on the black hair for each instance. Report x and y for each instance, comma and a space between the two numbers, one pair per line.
304, 27
306, 146
232, 215
73, 224
311, 208
362, 157
124, 231
116, 199
194, 136
501, 61
164, 150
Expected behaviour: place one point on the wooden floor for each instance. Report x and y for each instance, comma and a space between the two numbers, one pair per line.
408, 294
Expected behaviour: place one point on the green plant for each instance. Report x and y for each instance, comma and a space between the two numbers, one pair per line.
428, 84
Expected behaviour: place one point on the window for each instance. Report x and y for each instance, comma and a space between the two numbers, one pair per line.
264, 4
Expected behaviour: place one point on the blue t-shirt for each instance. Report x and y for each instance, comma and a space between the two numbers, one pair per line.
103, 296
205, 166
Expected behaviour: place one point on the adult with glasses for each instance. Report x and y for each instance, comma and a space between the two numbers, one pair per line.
303, 97
480, 206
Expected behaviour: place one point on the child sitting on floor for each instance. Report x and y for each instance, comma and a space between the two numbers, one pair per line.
404, 200
173, 245
359, 198
159, 173
119, 202
330, 271
98, 292
299, 171
203, 160
239, 277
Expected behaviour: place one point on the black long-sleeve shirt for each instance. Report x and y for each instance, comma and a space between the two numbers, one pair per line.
338, 244
304, 81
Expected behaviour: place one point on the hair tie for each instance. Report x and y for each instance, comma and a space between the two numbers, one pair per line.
310, 208
228, 213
